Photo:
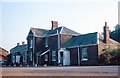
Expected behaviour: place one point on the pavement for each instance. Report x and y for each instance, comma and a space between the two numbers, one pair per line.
61, 71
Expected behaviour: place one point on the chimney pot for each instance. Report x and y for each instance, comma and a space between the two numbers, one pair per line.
18, 44
54, 25
23, 43
105, 23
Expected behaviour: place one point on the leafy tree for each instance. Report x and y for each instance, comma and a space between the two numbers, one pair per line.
110, 57
116, 33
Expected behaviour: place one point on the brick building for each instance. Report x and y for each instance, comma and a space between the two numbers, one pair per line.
18, 55
63, 46
3, 54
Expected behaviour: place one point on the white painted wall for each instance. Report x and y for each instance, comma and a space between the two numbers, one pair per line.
66, 56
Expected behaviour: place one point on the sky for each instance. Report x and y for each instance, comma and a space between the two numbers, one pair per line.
83, 16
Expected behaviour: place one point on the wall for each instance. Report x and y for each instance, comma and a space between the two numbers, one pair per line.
64, 38
102, 47
92, 55
73, 56
3, 54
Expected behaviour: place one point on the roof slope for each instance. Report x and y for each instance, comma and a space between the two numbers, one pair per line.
69, 31
61, 30
20, 48
85, 39
111, 41
38, 32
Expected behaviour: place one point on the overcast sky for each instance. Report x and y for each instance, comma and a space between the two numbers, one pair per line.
83, 16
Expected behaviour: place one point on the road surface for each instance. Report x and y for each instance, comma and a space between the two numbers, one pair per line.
61, 71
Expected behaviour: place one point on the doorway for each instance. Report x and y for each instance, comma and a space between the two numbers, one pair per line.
61, 58
64, 57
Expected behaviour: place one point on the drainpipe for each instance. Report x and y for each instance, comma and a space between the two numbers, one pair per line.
58, 40
78, 56
33, 47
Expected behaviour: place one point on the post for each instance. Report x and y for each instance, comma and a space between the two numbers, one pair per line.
78, 56
37, 59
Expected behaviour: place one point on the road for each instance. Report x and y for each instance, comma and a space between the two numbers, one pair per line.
61, 71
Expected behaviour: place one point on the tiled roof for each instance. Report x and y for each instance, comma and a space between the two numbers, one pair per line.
38, 32
61, 30
66, 30
85, 39
3, 49
55, 31
20, 48
111, 41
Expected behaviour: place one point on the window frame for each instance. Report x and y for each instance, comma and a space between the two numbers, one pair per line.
46, 42
31, 43
31, 56
53, 55
84, 53
46, 57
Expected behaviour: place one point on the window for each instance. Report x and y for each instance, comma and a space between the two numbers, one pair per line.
13, 59
46, 57
84, 54
31, 43
17, 59
46, 42
53, 56
30, 56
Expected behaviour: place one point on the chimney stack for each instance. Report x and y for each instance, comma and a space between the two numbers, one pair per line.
18, 44
106, 33
54, 25
23, 43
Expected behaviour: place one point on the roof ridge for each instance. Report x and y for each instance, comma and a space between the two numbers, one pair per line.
37, 28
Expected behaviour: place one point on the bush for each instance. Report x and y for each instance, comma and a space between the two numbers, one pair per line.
110, 57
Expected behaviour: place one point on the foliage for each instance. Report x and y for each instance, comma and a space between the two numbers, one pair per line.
116, 33
110, 57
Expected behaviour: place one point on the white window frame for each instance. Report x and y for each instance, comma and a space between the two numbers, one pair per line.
53, 55
31, 43
18, 59
13, 59
46, 57
46, 42
31, 56
84, 53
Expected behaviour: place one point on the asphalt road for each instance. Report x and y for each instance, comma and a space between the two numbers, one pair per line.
61, 71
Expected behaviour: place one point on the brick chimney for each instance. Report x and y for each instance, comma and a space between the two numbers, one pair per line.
106, 33
54, 25
23, 42
18, 44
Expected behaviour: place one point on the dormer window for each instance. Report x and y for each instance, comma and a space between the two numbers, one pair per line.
46, 42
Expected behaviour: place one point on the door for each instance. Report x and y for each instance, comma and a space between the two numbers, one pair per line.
61, 58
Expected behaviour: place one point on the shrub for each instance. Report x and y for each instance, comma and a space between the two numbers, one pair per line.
110, 57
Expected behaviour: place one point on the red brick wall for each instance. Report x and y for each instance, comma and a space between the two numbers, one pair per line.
92, 55
64, 38
3, 54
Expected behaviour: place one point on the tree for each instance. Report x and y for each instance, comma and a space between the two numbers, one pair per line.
116, 33
110, 57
